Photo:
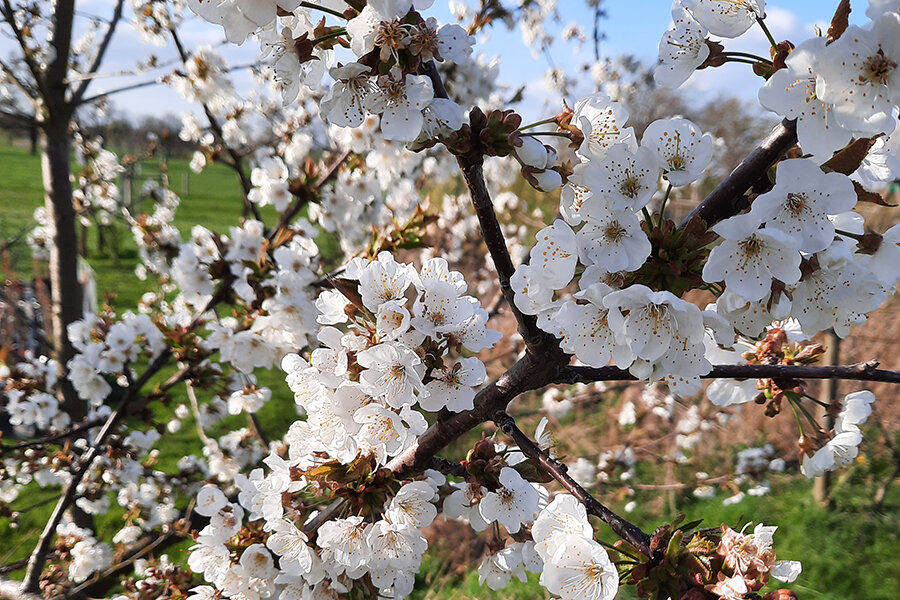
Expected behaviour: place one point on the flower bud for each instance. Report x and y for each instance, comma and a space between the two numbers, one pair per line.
531, 152
547, 181
551, 155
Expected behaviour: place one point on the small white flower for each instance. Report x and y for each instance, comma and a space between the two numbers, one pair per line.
581, 570
682, 149
681, 50
513, 503
726, 18
453, 388
859, 75
749, 257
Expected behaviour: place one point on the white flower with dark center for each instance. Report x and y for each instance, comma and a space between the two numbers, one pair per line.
612, 239
859, 75
563, 517
395, 545
843, 448
400, 100
412, 505
726, 18
454, 388
749, 257
448, 43
802, 200
584, 327
840, 293
655, 321
791, 93
581, 570
344, 104
681, 50
394, 371
603, 123
290, 544
381, 431
682, 149
514, 502
347, 540
621, 180
382, 280
440, 309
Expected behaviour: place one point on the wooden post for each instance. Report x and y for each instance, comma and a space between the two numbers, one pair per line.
822, 485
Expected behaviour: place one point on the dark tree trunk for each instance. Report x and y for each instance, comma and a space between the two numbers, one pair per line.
65, 289
33, 138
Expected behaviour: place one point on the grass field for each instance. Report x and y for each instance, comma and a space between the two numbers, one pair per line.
848, 551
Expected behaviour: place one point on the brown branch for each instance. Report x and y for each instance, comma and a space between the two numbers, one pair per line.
728, 198
624, 529
238, 160
305, 195
74, 431
101, 51
9, 14
23, 86
866, 371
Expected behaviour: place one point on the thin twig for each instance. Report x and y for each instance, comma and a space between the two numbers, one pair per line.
865, 371
629, 532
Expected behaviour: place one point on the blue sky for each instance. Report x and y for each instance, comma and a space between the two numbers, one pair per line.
632, 26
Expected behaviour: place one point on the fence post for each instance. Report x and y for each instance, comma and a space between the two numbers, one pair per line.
822, 485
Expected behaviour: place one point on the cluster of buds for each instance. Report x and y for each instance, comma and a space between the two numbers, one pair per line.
537, 160
776, 349
690, 563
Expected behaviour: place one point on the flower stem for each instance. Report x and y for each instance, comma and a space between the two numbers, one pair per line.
662, 206
647, 217
748, 55
537, 123
737, 59
796, 417
856, 236
324, 9
550, 133
766, 31
330, 36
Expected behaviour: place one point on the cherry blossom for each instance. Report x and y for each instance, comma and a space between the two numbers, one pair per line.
726, 18
802, 200
681, 50
581, 570
682, 149
749, 257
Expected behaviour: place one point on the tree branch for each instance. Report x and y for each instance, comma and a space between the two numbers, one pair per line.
627, 531
866, 371
236, 158
33, 67
71, 432
728, 198
101, 51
